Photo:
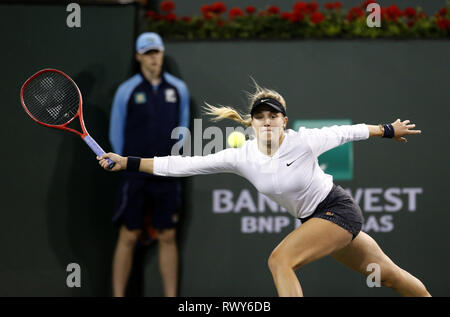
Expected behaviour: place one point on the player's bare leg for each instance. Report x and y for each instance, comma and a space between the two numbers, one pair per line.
363, 250
168, 261
311, 241
123, 259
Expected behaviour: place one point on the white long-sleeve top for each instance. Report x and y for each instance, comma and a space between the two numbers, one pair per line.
299, 187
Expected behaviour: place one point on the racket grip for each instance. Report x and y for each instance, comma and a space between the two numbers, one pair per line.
97, 149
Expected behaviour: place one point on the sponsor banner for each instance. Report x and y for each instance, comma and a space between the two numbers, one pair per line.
260, 215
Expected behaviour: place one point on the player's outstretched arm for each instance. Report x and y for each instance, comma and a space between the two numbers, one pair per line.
146, 165
401, 129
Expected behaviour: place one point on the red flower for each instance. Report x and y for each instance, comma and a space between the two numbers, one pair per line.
312, 7
300, 6
205, 9
235, 12
170, 17
273, 10
410, 12
250, 9
393, 12
297, 17
167, 6
338, 5
443, 24
218, 8
317, 17
286, 16
333, 5
355, 13
443, 12
150, 14
186, 19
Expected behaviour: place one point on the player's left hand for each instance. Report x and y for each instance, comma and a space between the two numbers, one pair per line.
402, 128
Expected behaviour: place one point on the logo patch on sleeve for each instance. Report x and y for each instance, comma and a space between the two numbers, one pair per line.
171, 96
140, 98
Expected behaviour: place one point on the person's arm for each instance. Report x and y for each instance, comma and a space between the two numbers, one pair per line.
177, 166
327, 138
400, 130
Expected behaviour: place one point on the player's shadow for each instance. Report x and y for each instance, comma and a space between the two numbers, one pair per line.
80, 202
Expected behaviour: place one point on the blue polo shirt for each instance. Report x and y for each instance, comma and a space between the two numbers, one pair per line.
143, 116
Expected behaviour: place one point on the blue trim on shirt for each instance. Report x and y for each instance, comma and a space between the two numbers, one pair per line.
184, 98
119, 112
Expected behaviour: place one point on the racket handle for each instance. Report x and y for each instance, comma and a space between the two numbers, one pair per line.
97, 149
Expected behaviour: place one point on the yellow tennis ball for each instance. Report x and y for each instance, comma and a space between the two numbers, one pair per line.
236, 139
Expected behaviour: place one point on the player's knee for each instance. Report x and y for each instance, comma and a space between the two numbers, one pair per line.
167, 236
279, 260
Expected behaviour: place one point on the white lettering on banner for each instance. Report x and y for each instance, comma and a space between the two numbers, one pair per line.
222, 201
412, 192
245, 201
371, 200
372, 224
261, 224
389, 195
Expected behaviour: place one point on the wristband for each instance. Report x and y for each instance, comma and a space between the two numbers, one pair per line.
133, 163
388, 131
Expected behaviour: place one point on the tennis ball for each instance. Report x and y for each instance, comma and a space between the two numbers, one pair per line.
236, 139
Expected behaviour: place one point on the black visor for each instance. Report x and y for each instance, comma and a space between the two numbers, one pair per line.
268, 102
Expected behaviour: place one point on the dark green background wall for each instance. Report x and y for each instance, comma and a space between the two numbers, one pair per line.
57, 203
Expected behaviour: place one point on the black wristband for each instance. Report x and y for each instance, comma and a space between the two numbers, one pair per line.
388, 131
133, 163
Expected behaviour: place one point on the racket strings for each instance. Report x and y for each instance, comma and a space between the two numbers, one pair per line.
51, 98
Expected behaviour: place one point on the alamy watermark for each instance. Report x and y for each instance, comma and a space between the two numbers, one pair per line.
374, 18
74, 278
74, 18
374, 278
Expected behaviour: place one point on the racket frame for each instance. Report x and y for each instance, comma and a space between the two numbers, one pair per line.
83, 134
63, 126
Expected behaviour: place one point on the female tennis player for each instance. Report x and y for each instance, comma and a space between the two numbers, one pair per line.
282, 164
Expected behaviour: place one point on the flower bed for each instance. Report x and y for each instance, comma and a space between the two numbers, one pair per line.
306, 20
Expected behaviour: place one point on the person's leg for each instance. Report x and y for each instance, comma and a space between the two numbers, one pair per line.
363, 250
123, 259
311, 241
168, 261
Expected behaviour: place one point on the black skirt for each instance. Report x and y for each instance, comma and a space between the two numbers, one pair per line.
339, 208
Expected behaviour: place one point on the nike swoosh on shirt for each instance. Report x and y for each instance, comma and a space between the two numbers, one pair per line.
288, 164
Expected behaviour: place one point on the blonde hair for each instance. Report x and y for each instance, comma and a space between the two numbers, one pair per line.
226, 112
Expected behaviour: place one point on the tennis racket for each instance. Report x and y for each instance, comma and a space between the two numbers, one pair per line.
52, 98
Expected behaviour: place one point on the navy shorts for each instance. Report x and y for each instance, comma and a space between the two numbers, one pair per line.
340, 208
146, 203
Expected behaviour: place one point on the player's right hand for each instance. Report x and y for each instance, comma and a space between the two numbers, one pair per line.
121, 162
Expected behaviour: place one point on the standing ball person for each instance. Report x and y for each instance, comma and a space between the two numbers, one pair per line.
282, 164
146, 108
